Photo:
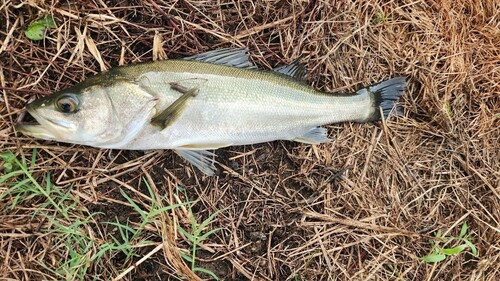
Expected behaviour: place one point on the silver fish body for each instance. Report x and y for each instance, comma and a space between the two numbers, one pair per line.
198, 104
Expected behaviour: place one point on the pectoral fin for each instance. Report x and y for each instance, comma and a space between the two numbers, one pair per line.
314, 136
179, 88
167, 116
201, 159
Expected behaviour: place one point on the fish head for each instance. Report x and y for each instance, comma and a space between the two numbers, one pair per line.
90, 113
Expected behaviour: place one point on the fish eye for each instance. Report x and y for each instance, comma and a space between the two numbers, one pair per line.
67, 103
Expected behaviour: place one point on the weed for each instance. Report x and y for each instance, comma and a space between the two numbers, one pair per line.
69, 223
196, 237
21, 184
36, 30
381, 17
439, 253
129, 238
66, 217
297, 277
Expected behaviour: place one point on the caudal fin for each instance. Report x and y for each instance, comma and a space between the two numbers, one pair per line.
385, 94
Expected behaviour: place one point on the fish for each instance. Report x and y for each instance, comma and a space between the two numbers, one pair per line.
201, 103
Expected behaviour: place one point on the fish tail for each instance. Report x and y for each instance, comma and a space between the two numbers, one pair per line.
385, 95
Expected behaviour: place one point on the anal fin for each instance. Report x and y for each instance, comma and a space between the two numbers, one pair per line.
201, 159
314, 136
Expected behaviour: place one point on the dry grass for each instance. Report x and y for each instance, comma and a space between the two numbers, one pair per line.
363, 207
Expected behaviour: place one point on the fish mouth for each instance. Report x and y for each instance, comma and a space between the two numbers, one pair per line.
32, 124
27, 119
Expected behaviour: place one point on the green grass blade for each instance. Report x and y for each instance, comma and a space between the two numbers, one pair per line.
206, 235
453, 251
187, 234
133, 204
433, 258
33, 159
200, 269
463, 230
121, 226
10, 175
186, 257
206, 222
473, 248
154, 213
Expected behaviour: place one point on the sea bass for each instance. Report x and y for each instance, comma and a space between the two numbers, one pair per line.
200, 103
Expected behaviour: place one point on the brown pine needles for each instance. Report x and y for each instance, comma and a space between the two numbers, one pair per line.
364, 207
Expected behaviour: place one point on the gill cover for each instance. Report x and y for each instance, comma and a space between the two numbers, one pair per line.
100, 112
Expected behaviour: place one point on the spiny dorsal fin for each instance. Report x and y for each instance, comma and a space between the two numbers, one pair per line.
296, 70
236, 57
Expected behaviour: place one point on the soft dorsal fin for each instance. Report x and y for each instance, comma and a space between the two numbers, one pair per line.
237, 57
296, 70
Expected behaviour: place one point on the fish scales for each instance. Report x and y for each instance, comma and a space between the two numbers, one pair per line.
241, 108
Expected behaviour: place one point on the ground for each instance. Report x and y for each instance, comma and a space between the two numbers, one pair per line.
415, 197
